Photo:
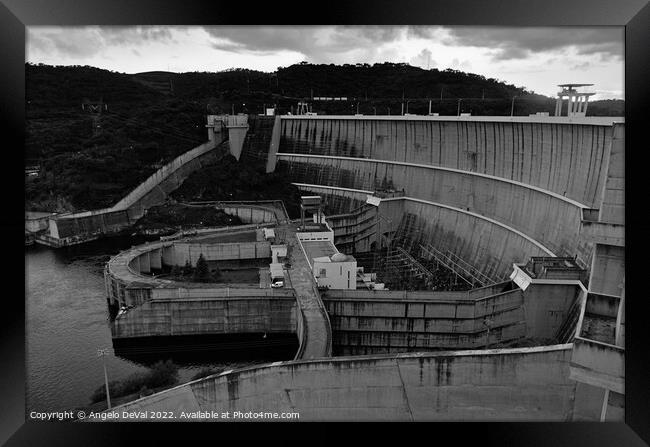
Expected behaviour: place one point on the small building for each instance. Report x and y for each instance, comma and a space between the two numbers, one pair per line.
269, 233
338, 271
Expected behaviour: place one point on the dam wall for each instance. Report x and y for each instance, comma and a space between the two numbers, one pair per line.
126, 275
552, 221
190, 252
354, 231
521, 384
209, 311
158, 307
376, 322
485, 243
380, 321
560, 155
258, 139
493, 190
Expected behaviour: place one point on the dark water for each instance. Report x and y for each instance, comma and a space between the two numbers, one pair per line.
67, 321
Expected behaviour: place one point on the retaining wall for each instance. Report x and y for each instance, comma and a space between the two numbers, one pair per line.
208, 311
526, 384
153, 191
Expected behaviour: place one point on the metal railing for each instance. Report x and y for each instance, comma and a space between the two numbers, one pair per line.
458, 266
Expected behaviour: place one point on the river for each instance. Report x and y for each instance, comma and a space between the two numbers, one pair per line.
67, 322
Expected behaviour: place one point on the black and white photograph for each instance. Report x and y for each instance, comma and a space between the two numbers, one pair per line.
359, 223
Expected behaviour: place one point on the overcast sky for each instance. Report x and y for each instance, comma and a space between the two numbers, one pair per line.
535, 58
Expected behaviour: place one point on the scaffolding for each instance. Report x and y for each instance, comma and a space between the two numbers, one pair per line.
411, 260
458, 266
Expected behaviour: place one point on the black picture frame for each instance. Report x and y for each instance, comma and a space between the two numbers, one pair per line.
16, 14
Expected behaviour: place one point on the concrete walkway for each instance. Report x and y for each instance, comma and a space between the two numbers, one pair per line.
317, 340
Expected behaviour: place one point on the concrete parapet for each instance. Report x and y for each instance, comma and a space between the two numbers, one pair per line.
501, 385
80, 227
598, 364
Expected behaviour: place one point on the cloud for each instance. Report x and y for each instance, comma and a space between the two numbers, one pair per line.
423, 59
582, 66
319, 44
72, 42
461, 65
518, 43
85, 42
129, 35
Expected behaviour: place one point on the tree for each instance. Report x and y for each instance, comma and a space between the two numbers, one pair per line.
187, 268
202, 271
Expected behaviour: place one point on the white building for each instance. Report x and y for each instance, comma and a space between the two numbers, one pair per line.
338, 271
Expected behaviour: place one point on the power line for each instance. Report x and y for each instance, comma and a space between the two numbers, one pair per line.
135, 120
167, 128
168, 134
154, 129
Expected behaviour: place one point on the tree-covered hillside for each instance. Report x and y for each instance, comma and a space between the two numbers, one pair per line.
87, 167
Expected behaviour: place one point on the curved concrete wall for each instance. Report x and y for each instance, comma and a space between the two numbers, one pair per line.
493, 190
565, 158
494, 385
487, 244
153, 191
552, 221
127, 285
489, 247
169, 308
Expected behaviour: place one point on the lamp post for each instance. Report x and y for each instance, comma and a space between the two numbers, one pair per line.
102, 353
512, 108
458, 113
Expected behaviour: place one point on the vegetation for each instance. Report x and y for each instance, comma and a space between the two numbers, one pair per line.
172, 216
199, 273
231, 180
161, 374
202, 271
205, 372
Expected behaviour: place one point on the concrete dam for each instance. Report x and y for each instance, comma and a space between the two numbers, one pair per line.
531, 208
490, 189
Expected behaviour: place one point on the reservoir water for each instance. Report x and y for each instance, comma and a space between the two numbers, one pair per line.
67, 322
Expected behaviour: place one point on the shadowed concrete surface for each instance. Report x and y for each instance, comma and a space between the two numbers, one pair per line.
506, 385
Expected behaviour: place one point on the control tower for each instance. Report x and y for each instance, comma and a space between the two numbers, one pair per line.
578, 101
